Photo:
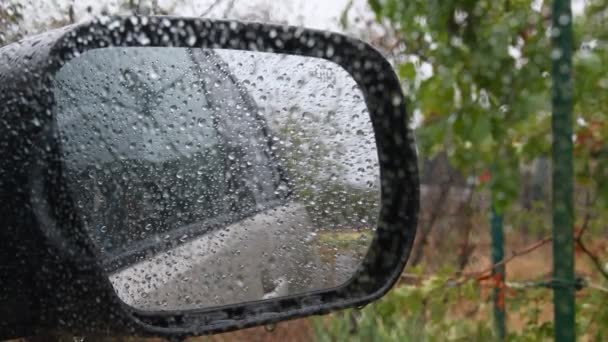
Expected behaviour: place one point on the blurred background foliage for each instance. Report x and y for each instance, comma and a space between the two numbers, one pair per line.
477, 77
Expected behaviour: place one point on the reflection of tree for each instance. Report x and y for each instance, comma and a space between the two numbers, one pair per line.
146, 98
318, 113
316, 177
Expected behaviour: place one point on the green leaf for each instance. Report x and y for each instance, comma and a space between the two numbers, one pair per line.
407, 71
376, 6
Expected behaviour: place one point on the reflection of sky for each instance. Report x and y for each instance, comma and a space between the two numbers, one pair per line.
134, 103
321, 98
149, 103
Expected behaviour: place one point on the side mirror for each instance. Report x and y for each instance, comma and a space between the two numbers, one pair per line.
175, 176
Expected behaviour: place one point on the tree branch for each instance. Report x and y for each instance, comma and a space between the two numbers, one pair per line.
445, 187
514, 255
596, 261
229, 8
467, 247
210, 8
578, 239
480, 274
588, 202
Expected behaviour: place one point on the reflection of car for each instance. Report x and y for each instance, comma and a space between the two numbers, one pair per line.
141, 191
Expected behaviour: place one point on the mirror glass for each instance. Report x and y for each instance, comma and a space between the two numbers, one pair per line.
215, 177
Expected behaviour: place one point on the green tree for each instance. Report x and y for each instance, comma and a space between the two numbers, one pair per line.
485, 103
486, 100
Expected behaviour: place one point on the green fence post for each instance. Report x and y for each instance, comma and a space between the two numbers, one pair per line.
563, 209
498, 273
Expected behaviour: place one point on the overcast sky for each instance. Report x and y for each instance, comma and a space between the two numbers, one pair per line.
320, 14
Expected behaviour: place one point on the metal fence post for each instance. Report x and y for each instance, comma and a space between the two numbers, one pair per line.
563, 209
498, 273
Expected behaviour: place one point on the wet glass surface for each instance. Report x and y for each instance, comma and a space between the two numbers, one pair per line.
214, 177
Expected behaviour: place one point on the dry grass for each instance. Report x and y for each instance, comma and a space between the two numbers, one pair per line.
299, 330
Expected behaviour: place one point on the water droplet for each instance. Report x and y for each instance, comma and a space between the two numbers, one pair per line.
191, 40
396, 100
143, 39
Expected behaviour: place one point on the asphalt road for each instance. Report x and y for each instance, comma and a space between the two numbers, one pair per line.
273, 254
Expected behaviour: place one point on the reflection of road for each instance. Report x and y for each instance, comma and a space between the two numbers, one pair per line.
271, 254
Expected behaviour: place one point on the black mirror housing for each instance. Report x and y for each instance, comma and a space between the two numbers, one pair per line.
48, 267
